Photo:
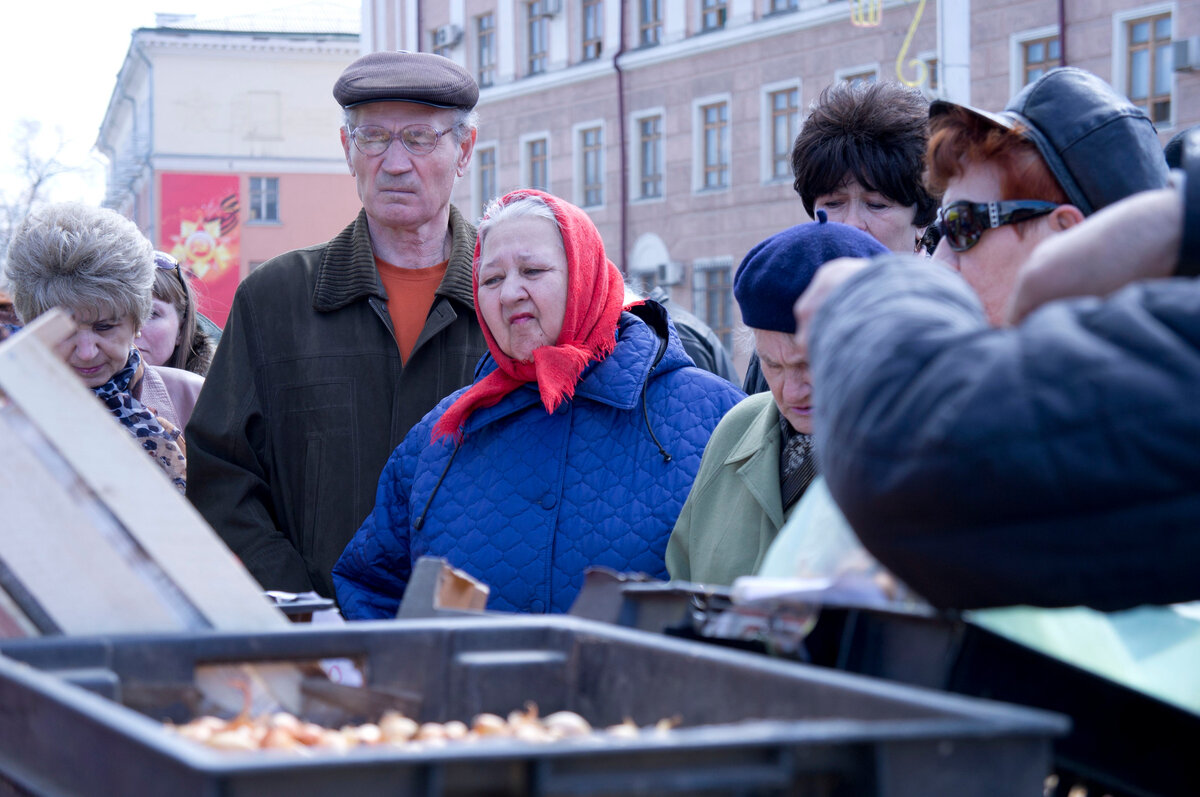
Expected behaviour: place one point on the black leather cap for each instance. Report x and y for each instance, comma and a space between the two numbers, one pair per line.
403, 76
1099, 146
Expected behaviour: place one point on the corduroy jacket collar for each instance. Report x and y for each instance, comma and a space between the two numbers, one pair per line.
347, 271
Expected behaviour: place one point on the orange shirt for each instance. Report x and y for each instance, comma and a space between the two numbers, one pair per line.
410, 295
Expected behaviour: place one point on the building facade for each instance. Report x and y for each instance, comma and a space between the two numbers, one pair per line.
222, 139
670, 121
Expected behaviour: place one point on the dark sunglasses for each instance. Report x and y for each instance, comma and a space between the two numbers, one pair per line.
963, 223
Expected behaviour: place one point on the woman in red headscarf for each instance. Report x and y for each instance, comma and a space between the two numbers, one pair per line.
575, 446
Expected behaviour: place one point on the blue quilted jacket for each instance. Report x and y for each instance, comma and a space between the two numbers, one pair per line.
529, 500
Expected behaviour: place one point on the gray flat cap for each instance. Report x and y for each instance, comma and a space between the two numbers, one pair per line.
403, 76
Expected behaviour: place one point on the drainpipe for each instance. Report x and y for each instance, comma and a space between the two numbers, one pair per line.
146, 160
622, 137
1062, 32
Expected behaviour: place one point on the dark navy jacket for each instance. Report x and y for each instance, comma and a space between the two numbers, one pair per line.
530, 500
1055, 463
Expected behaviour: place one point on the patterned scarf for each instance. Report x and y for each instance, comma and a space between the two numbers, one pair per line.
595, 298
797, 464
158, 437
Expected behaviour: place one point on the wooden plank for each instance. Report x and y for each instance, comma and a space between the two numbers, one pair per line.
81, 582
157, 518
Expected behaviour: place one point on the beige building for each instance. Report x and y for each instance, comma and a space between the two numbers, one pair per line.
670, 120
222, 138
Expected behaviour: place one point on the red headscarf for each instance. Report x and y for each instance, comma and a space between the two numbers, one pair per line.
595, 298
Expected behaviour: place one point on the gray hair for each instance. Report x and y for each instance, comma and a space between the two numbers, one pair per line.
529, 205
465, 121
80, 257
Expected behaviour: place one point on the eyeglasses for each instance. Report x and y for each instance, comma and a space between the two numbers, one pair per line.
963, 223
417, 139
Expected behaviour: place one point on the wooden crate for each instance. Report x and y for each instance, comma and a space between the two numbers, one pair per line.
93, 538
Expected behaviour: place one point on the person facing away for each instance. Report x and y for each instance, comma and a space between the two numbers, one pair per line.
332, 353
575, 445
860, 157
760, 461
96, 265
174, 335
1050, 463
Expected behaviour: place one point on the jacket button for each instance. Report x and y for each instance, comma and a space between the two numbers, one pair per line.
537, 605
548, 501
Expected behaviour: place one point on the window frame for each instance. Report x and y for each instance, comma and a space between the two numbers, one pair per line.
481, 170
637, 177
703, 288
253, 201
647, 25
528, 161
767, 142
713, 15
700, 164
583, 153
591, 48
485, 43
1121, 71
537, 29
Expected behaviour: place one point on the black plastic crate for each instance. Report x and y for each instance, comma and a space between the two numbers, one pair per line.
749, 725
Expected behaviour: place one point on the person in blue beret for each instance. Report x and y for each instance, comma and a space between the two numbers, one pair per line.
760, 459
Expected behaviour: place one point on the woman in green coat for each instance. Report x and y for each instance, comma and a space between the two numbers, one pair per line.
760, 459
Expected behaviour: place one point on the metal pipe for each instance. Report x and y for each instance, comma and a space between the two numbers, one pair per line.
622, 138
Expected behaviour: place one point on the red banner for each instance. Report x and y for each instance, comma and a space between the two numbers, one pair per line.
200, 226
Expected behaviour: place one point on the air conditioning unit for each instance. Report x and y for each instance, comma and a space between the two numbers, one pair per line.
669, 273
447, 36
1186, 54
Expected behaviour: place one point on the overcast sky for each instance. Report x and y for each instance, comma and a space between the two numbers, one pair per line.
59, 61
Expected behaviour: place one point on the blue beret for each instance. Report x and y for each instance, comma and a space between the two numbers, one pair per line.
775, 272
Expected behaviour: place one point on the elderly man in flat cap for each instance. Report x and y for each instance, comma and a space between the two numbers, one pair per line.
333, 352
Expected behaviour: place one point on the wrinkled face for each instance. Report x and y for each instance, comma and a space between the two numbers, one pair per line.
786, 370
99, 347
160, 335
991, 265
523, 284
872, 212
398, 189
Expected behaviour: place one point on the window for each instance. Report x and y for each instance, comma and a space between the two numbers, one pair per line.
784, 5
593, 29
712, 14
591, 145
485, 49
712, 296
650, 157
714, 119
440, 42
785, 123
1148, 70
486, 160
650, 27
1038, 56
865, 76
538, 33
538, 166
264, 199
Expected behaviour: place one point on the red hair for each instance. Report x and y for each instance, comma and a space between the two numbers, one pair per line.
959, 138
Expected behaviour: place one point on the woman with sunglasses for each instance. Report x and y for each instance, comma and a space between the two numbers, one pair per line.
173, 335
97, 265
999, 201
